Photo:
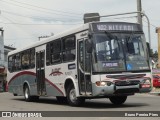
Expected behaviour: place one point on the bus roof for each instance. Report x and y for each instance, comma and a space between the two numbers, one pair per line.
59, 35
75, 30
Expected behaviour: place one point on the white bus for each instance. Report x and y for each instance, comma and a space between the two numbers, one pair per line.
95, 60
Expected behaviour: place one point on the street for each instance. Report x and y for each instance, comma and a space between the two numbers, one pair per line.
139, 102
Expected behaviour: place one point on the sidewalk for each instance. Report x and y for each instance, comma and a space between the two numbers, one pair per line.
155, 91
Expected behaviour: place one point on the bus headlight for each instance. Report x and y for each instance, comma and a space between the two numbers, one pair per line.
147, 81
103, 83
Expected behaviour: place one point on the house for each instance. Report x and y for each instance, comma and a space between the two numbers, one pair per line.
3, 61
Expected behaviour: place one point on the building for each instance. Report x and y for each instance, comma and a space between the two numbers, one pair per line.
3, 61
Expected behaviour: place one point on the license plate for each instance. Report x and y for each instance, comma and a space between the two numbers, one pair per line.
145, 86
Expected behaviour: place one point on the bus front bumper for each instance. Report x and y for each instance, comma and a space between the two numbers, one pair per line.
120, 90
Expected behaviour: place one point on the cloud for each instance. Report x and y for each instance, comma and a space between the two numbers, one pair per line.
62, 15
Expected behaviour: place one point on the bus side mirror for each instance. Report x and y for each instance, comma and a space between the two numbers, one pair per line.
89, 46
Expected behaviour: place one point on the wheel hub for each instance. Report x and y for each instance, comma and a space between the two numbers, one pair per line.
73, 95
26, 93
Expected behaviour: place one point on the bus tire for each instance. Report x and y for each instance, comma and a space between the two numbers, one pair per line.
71, 97
27, 96
35, 98
14, 94
61, 99
118, 100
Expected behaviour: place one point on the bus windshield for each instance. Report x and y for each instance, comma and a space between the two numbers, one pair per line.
119, 52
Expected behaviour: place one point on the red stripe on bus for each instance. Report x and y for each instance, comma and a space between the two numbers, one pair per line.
54, 86
20, 74
34, 74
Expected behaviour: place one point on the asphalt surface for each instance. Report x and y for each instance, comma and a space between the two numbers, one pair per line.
138, 102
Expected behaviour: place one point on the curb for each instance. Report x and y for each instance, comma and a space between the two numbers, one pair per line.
155, 93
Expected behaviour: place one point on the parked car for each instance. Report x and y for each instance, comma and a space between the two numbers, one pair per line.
156, 81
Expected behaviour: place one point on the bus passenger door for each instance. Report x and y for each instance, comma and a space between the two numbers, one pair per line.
84, 68
40, 72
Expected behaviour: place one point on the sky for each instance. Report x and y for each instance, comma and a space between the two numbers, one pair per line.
24, 21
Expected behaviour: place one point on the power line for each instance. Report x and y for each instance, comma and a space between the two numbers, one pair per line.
6, 19
125, 17
34, 24
120, 18
133, 17
45, 8
150, 24
16, 38
34, 17
36, 9
11, 22
18, 26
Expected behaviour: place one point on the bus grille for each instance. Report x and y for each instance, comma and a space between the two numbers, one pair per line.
129, 90
127, 83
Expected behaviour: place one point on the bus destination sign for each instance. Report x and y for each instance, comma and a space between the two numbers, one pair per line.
116, 26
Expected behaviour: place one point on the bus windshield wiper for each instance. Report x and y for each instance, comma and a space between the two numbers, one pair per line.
131, 36
109, 35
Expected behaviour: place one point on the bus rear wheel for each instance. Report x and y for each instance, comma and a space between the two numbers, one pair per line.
118, 100
27, 94
71, 97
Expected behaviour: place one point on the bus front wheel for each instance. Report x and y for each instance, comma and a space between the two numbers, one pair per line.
71, 97
118, 100
61, 99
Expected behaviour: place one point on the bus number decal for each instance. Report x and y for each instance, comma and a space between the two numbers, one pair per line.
68, 73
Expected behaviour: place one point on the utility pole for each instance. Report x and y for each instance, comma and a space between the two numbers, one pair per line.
139, 9
158, 32
139, 19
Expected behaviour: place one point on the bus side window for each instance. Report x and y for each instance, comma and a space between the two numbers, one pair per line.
32, 58
10, 61
48, 54
25, 60
55, 47
87, 59
81, 54
18, 62
13, 63
69, 51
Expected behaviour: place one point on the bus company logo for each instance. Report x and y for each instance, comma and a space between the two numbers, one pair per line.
55, 72
84, 34
21, 114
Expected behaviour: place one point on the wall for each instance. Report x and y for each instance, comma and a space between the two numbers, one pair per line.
1, 51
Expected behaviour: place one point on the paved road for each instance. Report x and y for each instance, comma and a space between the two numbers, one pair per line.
139, 102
